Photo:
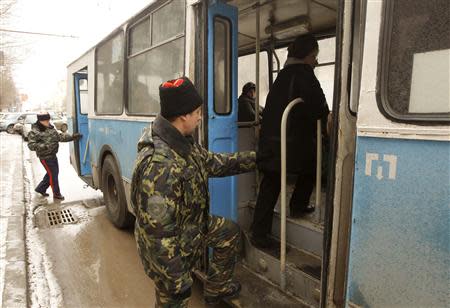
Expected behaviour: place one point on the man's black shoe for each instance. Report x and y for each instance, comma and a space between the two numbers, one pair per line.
43, 194
302, 212
264, 243
59, 197
233, 291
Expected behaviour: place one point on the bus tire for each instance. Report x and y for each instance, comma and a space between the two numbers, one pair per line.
114, 195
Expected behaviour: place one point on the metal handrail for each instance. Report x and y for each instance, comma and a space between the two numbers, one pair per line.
283, 183
283, 192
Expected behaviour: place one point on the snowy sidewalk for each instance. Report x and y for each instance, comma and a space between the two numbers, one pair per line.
13, 274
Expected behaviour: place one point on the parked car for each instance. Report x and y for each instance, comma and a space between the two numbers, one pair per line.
59, 122
7, 123
26, 124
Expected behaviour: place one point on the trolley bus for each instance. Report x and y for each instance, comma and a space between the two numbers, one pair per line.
380, 235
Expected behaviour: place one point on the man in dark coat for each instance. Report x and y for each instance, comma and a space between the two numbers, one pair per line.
44, 139
295, 80
170, 199
246, 103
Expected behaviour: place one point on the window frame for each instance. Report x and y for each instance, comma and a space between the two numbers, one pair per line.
149, 14
124, 49
79, 95
225, 20
382, 78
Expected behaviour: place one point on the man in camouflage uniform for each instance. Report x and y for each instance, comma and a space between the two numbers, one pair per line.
170, 199
44, 139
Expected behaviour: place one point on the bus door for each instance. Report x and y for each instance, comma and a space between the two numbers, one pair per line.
222, 100
81, 102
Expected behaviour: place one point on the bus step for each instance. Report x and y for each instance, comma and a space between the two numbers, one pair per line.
302, 270
300, 232
259, 292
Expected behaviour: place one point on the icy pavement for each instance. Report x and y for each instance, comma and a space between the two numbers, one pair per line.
44, 288
13, 283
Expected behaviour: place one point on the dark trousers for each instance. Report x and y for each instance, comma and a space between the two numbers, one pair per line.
269, 190
51, 177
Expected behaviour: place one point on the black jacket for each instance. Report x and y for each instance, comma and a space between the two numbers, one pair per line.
296, 80
246, 108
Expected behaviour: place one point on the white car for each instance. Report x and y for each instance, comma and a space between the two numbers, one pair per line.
29, 120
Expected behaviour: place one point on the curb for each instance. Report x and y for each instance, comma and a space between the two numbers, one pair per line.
15, 289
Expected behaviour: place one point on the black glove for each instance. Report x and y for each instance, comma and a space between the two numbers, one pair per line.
77, 136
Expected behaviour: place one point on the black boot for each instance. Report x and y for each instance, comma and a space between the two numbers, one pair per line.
233, 291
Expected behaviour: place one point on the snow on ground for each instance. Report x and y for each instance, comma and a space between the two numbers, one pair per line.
43, 285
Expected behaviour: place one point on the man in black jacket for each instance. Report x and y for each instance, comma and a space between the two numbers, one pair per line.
296, 79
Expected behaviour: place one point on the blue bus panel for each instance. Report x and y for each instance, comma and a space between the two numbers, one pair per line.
400, 237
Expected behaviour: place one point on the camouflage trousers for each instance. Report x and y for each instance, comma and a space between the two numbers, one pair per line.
223, 237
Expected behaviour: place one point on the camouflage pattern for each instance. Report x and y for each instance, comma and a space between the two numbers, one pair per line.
45, 140
170, 199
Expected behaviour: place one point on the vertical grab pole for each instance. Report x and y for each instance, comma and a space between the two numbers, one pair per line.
257, 50
319, 168
257, 47
283, 192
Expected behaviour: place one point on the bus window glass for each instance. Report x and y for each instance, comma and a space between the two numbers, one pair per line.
222, 102
416, 61
168, 22
140, 36
327, 51
148, 70
247, 72
109, 65
83, 86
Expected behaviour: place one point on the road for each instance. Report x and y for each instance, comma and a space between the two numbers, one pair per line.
84, 263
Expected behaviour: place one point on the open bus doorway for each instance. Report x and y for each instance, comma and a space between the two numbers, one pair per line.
81, 121
262, 55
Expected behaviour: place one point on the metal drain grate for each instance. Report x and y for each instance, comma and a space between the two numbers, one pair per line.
59, 217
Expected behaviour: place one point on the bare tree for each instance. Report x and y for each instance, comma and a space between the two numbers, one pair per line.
8, 91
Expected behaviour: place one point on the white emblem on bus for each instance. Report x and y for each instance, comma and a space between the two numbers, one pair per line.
390, 159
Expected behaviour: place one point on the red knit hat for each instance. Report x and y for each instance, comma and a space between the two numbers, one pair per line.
178, 97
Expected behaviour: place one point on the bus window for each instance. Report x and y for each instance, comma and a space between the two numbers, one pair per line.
222, 102
109, 66
83, 86
156, 54
247, 68
168, 22
139, 38
148, 70
415, 67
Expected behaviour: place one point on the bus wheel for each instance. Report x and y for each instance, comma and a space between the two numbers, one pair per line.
114, 195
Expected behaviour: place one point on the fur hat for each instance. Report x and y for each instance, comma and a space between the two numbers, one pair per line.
43, 116
178, 97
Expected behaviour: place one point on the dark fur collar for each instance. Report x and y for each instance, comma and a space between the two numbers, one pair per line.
176, 141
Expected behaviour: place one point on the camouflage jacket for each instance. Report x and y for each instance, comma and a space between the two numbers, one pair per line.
170, 199
45, 140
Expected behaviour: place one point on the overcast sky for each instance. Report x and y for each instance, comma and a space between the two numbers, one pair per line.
44, 58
